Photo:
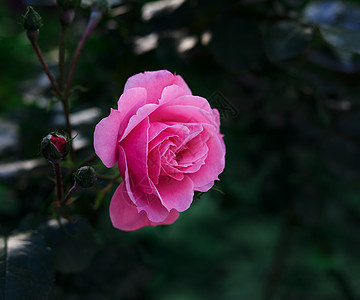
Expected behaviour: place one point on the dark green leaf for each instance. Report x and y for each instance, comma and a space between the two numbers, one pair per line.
73, 245
286, 40
26, 270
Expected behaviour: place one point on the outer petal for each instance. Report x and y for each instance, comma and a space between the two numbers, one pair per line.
106, 138
172, 92
123, 212
155, 210
154, 82
129, 103
124, 215
176, 194
148, 202
141, 114
135, 146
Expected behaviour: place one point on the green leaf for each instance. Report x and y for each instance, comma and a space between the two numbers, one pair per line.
286, 40
26, 270
73, 245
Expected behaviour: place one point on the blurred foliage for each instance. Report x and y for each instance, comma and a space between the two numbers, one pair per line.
284, 75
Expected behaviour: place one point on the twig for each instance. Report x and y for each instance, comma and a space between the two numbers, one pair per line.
44, 65
95, 17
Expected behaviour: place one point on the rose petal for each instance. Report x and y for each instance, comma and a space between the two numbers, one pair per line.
130, 101
170, 93
124, 214
214, 162
106, 138
154, 165
171, 218
205, 187
141, 114
135, 146
216, 117
172, 172
154, 82
182, 114
140, 191
174, 194
155, 210
190, 100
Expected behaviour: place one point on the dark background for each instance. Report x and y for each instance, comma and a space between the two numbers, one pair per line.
283, 222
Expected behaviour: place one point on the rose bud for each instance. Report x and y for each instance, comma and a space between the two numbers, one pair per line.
85, 177
100, 5
32, 23
67, 12
31, 19
54, 147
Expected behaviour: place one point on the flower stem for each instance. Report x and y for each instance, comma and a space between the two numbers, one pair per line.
55, 85
93, 21
58, 179
44, 65
65, 104
64, 100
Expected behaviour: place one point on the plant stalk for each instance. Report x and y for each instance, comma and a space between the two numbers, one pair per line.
59, 185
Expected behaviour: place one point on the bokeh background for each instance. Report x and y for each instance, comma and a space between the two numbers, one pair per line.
283, 222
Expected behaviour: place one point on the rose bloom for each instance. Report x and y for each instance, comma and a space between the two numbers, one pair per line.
167, 145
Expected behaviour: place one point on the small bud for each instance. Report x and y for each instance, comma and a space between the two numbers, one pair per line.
68, 4
85, 177
66, 17
54, 147
31, 20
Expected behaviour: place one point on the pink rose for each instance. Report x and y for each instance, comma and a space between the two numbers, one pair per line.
167, 145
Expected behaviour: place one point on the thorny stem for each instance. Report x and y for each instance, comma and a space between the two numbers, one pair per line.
44, 65
58, 179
